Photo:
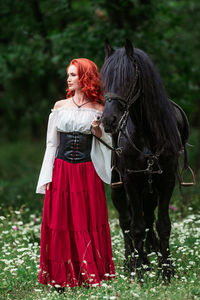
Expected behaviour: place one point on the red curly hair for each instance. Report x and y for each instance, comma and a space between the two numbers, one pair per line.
89, 79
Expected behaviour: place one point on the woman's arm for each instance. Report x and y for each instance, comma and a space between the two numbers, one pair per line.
52, 142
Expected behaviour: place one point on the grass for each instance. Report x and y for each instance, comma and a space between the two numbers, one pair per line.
19, 263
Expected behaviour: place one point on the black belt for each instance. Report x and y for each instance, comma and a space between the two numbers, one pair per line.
75, 147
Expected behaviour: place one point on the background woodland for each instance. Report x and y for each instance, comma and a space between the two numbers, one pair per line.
38, 38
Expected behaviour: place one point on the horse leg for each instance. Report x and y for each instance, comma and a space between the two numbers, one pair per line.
150, 202
163, 226
120, 202
137, 227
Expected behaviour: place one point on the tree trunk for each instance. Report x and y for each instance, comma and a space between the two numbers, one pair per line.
39, 18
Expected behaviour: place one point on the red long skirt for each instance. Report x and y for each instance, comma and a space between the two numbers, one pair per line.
75, 247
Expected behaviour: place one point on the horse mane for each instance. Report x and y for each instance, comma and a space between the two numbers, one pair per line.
118, 73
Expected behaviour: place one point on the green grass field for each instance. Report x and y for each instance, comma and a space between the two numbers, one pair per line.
20, 221
19, 263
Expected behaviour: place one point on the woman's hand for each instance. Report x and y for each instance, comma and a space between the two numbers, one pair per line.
96, 130
47, 186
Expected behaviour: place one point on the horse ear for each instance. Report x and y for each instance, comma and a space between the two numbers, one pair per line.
108, 49
129, 48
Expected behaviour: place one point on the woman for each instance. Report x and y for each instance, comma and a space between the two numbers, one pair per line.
75, 236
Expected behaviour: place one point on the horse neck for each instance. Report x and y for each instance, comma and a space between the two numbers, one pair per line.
142, 132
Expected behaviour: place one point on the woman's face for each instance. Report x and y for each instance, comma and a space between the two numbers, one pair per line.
72, 79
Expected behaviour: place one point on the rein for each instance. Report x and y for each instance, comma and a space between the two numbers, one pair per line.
117, 150
152, 159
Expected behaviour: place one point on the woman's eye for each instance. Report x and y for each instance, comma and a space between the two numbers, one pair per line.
71, 74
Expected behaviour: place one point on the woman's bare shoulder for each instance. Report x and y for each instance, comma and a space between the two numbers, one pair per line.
60, 103
99, 106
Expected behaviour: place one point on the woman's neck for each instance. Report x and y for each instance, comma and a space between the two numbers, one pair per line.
80, 97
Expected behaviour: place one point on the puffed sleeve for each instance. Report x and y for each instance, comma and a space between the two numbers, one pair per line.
101, 156
52, 142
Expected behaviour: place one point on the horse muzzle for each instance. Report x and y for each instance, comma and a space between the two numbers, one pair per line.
109, 123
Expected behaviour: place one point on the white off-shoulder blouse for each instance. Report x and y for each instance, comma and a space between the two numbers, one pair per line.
69, 119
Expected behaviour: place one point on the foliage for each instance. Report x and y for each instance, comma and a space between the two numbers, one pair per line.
19, 164
40, 37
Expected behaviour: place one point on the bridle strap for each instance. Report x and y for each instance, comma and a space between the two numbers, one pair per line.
126, 104
132, 101
111, 97
127, 135
123, 120
117, 150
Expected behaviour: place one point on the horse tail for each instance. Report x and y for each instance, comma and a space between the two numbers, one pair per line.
183, 128
183, 124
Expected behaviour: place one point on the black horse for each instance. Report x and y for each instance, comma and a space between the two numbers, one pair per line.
149, 132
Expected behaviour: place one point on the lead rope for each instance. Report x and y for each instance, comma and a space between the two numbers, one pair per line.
118, 151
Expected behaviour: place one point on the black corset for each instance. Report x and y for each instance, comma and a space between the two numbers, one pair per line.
75, 147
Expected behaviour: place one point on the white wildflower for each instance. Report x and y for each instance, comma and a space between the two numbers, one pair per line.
104, 285
134, 294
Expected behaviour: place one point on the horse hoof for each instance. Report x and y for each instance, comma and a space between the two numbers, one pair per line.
167, 272
127, 265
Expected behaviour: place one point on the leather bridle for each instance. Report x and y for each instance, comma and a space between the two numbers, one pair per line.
152, 159
125, 105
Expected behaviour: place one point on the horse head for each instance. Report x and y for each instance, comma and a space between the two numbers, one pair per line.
127, 75
117, 73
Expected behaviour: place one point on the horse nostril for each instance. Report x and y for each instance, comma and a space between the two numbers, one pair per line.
109, 122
